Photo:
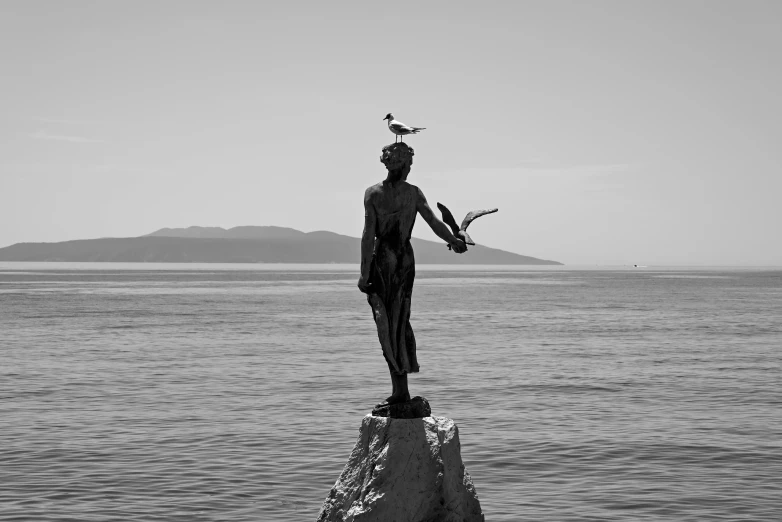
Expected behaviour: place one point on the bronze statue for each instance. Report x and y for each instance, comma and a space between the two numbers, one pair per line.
388, 263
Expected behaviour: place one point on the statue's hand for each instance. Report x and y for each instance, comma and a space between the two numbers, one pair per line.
458, 246
364, 285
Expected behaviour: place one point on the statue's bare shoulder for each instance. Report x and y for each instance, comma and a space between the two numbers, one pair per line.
372, 191
398, 186
384, 194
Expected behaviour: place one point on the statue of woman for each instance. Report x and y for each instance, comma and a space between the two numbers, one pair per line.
388, 264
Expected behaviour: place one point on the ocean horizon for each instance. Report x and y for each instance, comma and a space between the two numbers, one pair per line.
101, 265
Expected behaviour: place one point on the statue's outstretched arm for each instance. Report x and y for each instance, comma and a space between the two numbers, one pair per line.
437, 226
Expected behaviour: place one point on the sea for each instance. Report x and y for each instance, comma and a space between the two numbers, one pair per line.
201, 392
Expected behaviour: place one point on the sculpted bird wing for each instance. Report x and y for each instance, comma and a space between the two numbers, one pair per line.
448, 218
472, 216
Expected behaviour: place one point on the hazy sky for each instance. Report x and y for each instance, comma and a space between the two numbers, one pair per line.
606, 132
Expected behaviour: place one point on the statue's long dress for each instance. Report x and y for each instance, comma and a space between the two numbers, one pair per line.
392, 275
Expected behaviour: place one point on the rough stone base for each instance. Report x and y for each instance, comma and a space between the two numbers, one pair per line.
404, 470
415, 408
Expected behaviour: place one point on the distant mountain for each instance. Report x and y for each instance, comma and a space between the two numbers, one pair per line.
245, 245
248, 232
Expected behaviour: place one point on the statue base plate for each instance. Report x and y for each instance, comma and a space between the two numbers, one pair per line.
415, 408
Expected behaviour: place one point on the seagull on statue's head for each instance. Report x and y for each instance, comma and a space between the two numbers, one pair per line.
399, 128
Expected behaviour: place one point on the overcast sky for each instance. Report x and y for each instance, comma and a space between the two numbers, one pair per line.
606, 132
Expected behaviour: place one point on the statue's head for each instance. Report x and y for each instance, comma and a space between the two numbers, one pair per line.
398, 158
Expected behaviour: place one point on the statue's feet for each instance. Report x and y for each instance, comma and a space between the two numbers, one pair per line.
396, 399
410, 409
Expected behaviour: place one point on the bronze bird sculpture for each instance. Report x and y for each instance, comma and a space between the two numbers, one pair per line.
461, 232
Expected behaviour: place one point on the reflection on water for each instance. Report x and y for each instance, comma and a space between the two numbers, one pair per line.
237, 395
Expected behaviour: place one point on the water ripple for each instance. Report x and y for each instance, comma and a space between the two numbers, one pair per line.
237, 395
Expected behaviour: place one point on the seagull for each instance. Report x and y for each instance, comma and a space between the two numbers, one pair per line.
461, 232
399, 128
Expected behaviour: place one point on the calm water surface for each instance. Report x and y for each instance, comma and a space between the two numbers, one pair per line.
201, 393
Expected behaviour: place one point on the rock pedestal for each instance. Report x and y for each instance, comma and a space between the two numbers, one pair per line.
404, 470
